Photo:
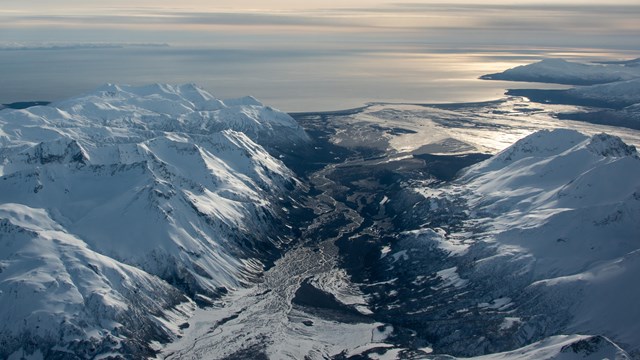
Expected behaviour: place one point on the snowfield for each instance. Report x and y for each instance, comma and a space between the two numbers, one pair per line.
119, 206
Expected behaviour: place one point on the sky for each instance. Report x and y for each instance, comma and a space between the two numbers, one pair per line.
301, 54
610, 23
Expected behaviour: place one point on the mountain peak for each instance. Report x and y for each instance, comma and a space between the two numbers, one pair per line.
118, 204
542, 143
553, 61
561, 71
243, 101
610, 146
61, 151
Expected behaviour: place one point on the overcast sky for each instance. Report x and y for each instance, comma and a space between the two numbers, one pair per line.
141, 14
39, 5
325, 24
244, 22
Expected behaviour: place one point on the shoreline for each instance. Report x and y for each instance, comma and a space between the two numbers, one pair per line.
19, 105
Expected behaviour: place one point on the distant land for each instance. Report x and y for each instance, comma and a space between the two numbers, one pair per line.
24, 104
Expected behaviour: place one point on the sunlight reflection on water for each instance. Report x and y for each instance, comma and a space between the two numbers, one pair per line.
292, 80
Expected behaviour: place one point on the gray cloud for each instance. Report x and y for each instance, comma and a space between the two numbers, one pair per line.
15, 46
185, 18
509, 17
390, 27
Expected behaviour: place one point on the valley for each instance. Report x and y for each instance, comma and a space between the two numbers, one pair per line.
357, 284
391, 231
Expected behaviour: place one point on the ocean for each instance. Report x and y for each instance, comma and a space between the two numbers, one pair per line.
287, 78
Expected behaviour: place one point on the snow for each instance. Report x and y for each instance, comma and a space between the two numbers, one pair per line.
553, 183
498, 304
450, 277
361, 349
430, 237
56, 287
555, 215
560, 347
392, 354
564, 347
385, 251
125, 199
400, 255
626, 92
338, 283
509, 322
117, 204
560, 71
612, 85
265, 318
404, 130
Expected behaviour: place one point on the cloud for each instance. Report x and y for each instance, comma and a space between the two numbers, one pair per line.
14, 46
399, 23
399, 15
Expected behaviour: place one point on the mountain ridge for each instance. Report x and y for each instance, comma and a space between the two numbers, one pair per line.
552, 217
162, 182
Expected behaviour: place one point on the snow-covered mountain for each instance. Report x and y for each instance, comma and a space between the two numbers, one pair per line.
564, 348
626, 92
541, 239
628, 117
60, 298
124, 208
120, 206
560, 347
568, 207
560, 71
614, 86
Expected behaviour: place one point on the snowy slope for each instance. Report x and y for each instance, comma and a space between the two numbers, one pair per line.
119, 112
619, 92
157, 192
560, 71
571, 203
627, 117
560, 347
57, 291
564, 348
548, 244
612, 85
580, 189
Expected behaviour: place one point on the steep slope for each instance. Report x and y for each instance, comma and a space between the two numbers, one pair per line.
565, 348
167, 180
574, 213
561, 347
625, 93
67, 299
560, 71
117, 111
539, 240
564, 207
618, 92
567, 200
628, 117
